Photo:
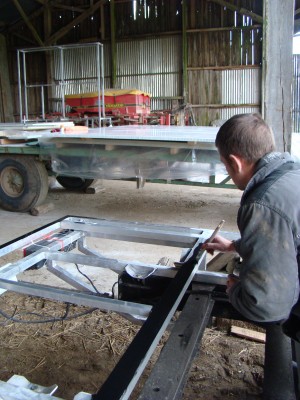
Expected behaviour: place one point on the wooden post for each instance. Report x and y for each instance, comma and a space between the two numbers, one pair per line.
6, 103
113, 44
48, 55
102, 19
184, 52
277, 69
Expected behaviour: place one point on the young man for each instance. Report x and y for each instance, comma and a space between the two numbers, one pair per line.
268, 220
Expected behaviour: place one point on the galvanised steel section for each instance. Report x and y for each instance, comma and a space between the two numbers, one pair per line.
75, 297
74, 69
73, 232
134, 232
76, 229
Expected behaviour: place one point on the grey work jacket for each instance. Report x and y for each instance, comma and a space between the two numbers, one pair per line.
269, 224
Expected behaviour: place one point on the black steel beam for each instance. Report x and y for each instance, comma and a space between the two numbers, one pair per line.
169, 375
125, 375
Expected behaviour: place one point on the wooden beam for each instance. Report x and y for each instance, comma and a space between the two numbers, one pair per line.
70, 8
6, 102
16, 26
113, 44
28, 23
184, 52
35, 14
225, 28
47, 21
277, 70
48, 55
240, 10
63, 31
193, 14
23, 37
102, 19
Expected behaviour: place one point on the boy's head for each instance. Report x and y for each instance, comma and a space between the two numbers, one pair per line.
245, 135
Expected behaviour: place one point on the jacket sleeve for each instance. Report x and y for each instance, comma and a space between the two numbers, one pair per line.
269, 283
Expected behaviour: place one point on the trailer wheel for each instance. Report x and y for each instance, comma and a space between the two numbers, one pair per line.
23, 182
73, 183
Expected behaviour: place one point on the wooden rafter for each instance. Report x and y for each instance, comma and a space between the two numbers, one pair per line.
23, 37
70, 8
63, 31
30, 17
240, 10
28, 23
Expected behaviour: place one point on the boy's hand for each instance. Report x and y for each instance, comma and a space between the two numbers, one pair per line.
219, 244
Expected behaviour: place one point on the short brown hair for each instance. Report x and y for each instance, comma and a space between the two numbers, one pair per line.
246, 135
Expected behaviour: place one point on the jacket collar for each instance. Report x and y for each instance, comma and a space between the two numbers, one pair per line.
265, 166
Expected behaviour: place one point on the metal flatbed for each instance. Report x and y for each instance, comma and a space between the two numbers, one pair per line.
166, 154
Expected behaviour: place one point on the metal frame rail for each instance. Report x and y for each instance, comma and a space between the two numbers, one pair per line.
63, 80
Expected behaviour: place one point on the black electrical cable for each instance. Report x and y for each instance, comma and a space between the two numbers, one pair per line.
113, 290
65, 317
89, 279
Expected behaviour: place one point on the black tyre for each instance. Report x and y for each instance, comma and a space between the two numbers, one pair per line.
74, 183
23, 182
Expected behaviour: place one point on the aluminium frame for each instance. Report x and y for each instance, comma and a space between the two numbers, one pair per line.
123, 378
61, 49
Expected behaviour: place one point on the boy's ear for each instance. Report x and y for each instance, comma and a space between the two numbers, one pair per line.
236, 163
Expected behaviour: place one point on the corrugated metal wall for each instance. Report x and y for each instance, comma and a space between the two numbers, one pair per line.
241, 87
221, 44
154, 66
151, 65
77, 68
223, 61
219, 94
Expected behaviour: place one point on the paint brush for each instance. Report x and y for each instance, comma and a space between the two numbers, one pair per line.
215, 232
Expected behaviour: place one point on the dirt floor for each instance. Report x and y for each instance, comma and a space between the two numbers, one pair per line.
78, 354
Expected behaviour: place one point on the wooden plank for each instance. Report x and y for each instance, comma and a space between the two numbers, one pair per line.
248, 334
95, 188
42, 209
220, 261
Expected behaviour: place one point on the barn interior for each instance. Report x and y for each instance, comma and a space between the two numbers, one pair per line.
100, 96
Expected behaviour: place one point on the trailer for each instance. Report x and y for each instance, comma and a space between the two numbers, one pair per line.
77, 156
